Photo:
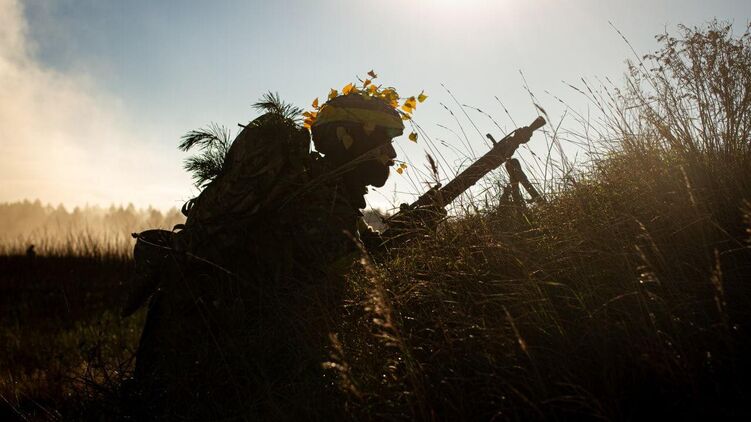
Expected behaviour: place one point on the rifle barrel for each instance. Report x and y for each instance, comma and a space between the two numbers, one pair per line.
501, 151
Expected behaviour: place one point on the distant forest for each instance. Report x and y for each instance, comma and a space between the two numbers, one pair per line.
58, 229
29, 222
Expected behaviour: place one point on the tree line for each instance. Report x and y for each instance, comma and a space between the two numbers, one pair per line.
27, 222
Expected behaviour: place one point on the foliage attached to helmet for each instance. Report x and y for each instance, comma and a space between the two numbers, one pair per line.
358, 112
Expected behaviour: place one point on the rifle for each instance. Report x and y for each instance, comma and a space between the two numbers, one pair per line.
429, 208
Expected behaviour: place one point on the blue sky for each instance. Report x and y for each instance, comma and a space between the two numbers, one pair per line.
102, 90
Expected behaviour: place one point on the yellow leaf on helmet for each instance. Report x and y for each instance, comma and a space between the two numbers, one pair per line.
422, 97
372, 74
372, 89
347, 89
409, 105
333, 94
389, 95
315, 103
413, 137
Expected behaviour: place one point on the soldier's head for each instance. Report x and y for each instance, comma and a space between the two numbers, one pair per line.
356, 131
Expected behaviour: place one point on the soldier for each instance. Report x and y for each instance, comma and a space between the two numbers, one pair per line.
249, 289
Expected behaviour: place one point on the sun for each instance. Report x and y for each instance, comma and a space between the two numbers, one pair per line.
468, 10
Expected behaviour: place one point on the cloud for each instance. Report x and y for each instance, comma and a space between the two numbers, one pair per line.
63, 139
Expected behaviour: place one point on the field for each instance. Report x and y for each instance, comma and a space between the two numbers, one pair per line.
62, 341
625, 296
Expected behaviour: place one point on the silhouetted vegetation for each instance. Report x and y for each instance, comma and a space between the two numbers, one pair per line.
624, 297
63, 348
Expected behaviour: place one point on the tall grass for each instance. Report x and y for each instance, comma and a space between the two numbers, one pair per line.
64, 350
79, 243
624, 297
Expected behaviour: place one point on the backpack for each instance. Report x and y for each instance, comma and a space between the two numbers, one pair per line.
262, 162
268, 151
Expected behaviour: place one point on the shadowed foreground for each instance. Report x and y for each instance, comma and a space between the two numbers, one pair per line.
628, 309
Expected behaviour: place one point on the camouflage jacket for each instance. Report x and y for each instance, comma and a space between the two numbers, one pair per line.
273, 207
245, 294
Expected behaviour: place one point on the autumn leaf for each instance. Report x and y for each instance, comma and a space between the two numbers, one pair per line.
347, 89
409, 105
422, 97
310, 118
366, 83
413, 137
389, 95
372, 74
372, 89
315, 103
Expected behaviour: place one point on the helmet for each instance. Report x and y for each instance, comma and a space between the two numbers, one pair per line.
355, 116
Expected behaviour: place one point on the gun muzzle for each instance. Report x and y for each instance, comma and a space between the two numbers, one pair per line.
538, 123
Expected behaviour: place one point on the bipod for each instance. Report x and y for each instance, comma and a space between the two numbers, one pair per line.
512, 193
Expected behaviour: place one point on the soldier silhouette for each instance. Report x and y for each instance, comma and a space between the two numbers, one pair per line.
244, 295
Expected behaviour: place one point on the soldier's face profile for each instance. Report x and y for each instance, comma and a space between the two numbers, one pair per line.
375, 171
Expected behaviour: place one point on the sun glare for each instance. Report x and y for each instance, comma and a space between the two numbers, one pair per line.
469, 10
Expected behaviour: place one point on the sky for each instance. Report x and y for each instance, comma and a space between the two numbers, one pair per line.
95, 94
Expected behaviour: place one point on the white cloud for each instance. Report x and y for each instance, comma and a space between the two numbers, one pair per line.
65, 139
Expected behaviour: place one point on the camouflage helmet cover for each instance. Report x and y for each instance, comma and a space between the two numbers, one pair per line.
356, 112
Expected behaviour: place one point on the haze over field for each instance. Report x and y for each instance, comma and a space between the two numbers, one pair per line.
51, 228
95, 95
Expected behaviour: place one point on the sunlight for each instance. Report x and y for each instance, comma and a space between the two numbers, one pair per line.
464, 3
467, 12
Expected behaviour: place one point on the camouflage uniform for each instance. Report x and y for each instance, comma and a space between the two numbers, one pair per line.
249, 289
